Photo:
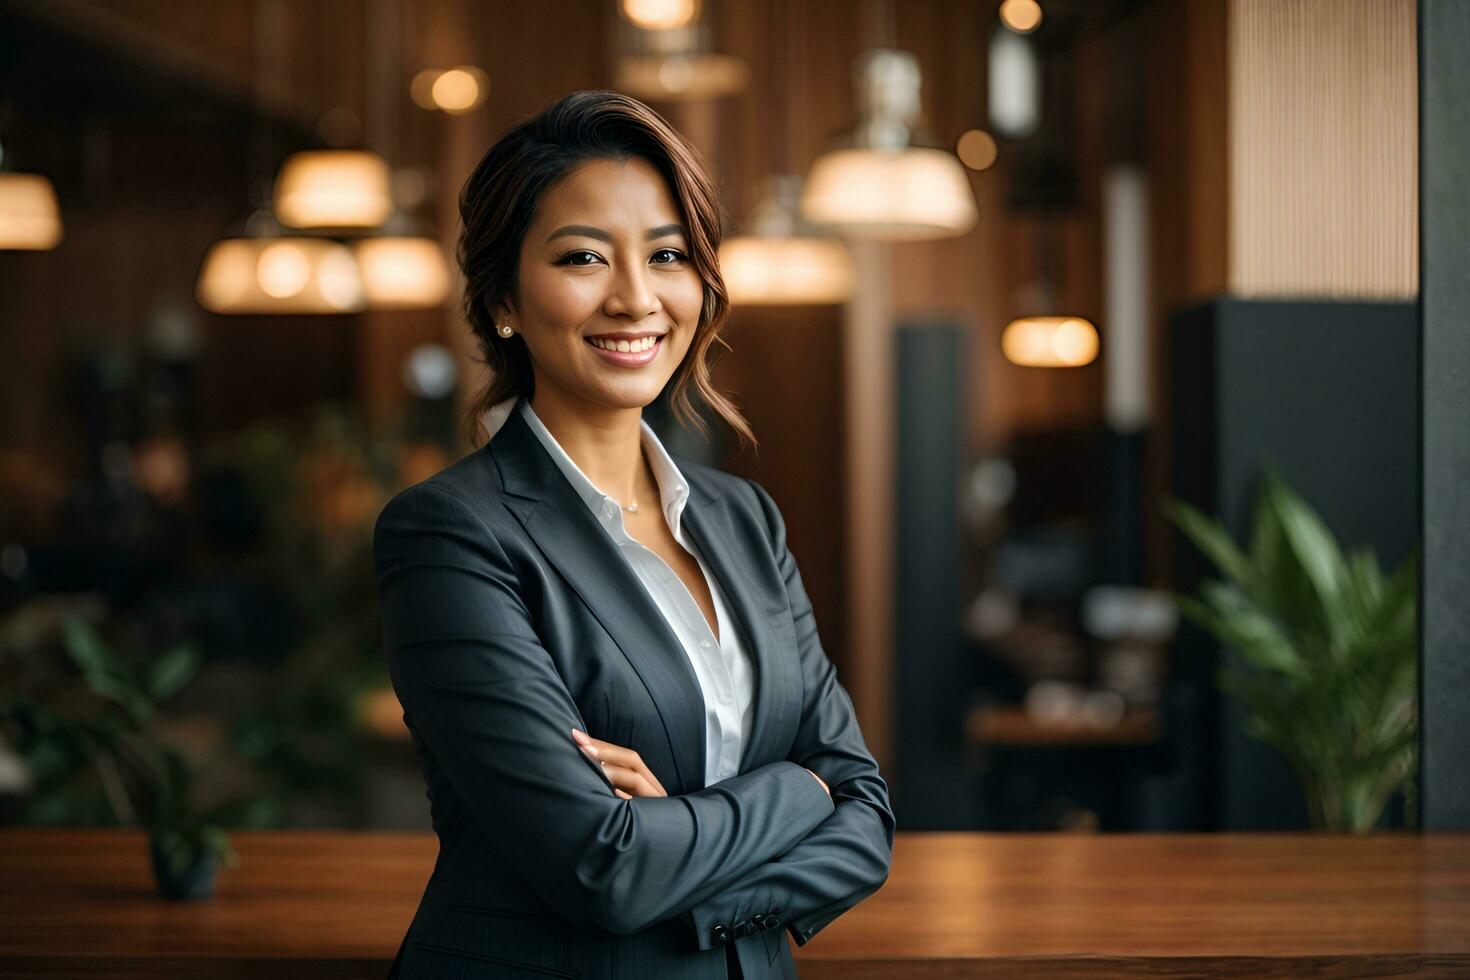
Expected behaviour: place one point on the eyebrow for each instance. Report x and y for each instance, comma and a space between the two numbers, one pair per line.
662, 231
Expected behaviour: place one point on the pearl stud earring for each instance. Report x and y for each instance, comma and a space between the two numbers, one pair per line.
505, 330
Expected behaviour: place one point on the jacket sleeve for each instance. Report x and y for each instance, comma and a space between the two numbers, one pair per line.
483, 695
847, 857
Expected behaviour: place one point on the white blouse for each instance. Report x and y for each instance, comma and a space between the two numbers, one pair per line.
721, 664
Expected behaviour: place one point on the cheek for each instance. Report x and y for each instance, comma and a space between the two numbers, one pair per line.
686, 300
558, 300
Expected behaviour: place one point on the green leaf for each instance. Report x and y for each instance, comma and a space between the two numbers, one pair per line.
86, 648
1252, 633
171, 671
1313, 545
1211, 538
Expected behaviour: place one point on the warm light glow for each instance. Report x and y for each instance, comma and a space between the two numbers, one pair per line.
333, 189
459, 90
976, 149
1021, 16
29, 217
1050, 341
896, 195
279, 275
766, 270
283, 270
682, 76
660, 15
401, 272
455, 91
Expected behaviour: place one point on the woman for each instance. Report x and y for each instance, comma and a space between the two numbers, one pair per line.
639, 759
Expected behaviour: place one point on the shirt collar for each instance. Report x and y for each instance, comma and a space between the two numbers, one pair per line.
672, 487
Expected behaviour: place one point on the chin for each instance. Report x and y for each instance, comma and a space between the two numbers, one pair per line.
636, 401
627, 397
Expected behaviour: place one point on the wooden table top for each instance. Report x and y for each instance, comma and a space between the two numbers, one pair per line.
336, 904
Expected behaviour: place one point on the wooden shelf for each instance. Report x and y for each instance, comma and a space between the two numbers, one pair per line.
991, 725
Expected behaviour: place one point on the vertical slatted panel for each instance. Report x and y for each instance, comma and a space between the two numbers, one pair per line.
1323, 148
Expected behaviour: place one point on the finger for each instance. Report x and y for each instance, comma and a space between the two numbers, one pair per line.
630, 780
614, 754
626, 796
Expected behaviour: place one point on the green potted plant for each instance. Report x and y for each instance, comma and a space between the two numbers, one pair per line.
1326, 648
106, 729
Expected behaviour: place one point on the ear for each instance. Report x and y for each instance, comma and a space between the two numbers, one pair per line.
497, 312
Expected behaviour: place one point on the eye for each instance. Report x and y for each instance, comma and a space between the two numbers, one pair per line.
572, 258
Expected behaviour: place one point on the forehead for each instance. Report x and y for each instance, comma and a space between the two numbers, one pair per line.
609, 193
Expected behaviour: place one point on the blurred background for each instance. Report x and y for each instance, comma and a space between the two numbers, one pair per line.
1080, 337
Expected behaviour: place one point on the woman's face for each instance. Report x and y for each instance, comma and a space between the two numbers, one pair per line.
607, 257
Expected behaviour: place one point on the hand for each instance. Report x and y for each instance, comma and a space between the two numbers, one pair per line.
822, 781
630, 777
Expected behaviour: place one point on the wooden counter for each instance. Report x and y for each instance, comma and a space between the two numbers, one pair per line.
80, 903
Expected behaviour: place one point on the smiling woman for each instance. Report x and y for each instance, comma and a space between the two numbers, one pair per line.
639, 758
594, 222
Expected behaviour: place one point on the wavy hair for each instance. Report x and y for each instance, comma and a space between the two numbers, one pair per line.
499, 201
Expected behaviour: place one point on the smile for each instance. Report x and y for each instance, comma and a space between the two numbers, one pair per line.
626, 353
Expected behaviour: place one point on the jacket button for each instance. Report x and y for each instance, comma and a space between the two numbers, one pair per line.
773, 921
721, 933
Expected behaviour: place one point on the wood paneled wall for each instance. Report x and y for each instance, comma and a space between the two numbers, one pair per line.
1323, 149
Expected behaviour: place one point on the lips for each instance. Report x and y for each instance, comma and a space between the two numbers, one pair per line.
624, 335
636, 357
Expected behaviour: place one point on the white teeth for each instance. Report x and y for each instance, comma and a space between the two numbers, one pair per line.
625, 346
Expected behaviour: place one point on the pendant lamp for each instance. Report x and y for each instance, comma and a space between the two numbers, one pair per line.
674, 64
780, 260
333, 189
402, 266
885, 179
659, 14
1048, 340
267, 271
29, 217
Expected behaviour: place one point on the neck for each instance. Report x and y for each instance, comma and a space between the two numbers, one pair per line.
605, 443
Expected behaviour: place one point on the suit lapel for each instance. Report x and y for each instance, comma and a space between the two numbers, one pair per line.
707, 520
567, 532
579, 547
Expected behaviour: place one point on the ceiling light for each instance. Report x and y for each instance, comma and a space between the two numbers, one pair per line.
29, 217
333, 189
659, 15
780, 261
266, 272
1050, 341
884, 180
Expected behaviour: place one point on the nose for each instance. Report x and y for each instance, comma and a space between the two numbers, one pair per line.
632, 294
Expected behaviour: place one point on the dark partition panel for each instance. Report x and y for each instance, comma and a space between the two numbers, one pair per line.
1444, 155
930, 668
1330, 393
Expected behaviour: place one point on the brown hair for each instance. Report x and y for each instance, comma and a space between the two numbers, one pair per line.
498, 203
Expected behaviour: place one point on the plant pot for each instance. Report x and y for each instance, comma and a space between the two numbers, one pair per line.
195, 882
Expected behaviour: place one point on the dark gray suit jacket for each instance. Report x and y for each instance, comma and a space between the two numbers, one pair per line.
509, 618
